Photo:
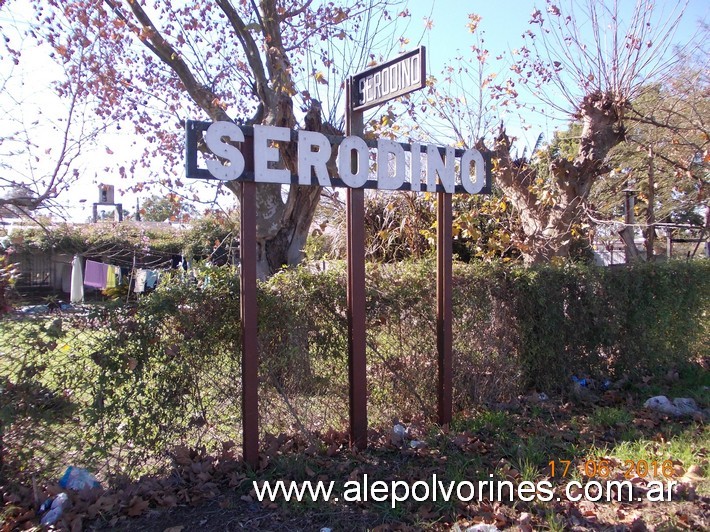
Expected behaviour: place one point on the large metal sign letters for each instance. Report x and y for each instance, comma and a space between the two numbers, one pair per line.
415, 167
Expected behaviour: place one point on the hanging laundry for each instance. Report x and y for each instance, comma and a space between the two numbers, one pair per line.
77, 285
139, 281
111, 277
65, 270
96, 274
151, 279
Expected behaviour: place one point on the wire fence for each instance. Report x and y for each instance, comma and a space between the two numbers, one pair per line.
117, 387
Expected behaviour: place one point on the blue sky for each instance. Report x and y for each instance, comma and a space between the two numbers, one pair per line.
502, 24
504, 21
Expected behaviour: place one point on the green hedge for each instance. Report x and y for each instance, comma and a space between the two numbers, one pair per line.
134, 382
515, 328
602, 322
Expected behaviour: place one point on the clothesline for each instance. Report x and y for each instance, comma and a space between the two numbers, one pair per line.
103, 276
123, 257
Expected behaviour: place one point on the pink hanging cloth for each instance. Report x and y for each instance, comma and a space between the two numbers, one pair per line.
95, 274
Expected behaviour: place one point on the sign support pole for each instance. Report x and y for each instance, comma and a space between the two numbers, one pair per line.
444, 335
357, 352
249, 313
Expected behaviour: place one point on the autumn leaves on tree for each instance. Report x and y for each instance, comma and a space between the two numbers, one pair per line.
156, 65
260, 61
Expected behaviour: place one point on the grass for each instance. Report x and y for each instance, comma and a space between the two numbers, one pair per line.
527, 444
686, 448
535, 450
608, 417
491, 421
554, 522
295, 467
689, 383
525, 438
529, 471
460, 467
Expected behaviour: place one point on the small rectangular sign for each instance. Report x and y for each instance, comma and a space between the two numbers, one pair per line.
389, 80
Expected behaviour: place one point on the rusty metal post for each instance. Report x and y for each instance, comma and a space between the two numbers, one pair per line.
444, 334
357, 353
250, 355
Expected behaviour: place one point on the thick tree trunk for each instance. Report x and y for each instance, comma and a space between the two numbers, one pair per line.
282, 226
282, 237
548, 227
284, 218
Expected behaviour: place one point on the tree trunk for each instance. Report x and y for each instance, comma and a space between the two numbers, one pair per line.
283, 219
548, 227
281, 238
283, 223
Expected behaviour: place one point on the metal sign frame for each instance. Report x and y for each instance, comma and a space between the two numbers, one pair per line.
372, 80
195, 129
356, 301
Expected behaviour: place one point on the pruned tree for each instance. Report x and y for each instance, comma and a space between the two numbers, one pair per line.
591, 60
248, 61
586, 60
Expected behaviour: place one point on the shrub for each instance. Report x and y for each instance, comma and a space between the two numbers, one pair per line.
170, 365
8, 275
125, 384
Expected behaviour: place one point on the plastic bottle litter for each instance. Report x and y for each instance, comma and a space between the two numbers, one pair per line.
581, 382
482, 527
45, 506
59, 503
399, 434
76, 478
685, 406
681, 406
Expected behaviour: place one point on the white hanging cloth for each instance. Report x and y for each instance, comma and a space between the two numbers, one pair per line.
77, 281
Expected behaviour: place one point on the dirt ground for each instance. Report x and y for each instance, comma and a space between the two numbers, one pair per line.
520, 441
